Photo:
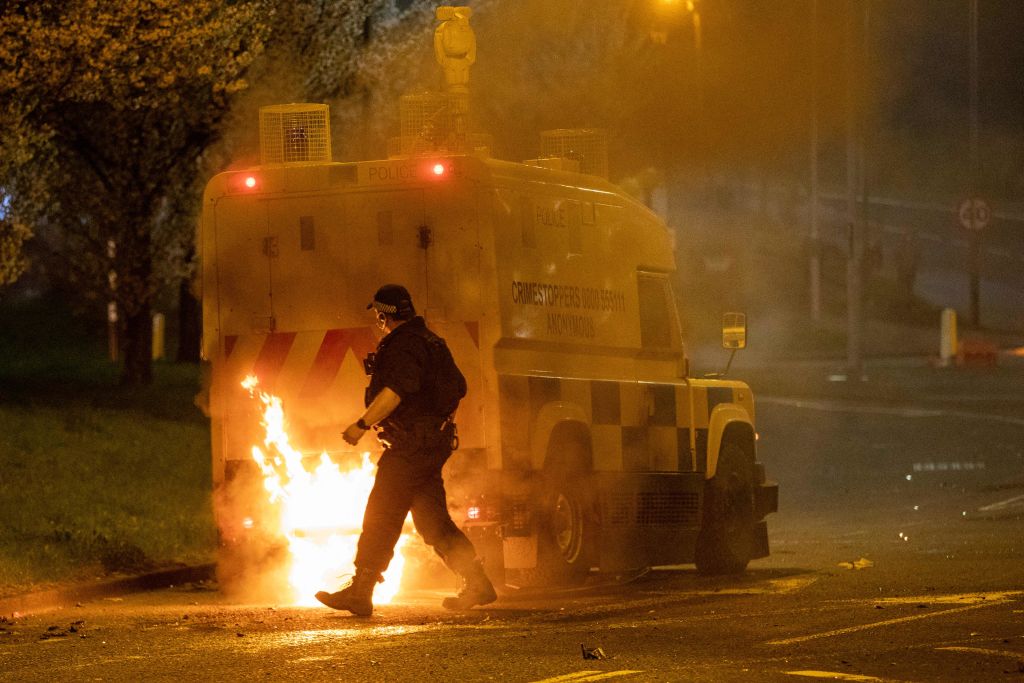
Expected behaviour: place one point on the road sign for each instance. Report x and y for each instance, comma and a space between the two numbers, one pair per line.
974, 213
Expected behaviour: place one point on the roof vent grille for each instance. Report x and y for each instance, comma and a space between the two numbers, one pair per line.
588, 146
295, 134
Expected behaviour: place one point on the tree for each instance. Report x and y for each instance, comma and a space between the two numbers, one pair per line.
111, 106
13, 235
17, 194
357, 56
115, 111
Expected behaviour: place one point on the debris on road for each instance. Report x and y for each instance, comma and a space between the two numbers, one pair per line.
592, 652
54, 631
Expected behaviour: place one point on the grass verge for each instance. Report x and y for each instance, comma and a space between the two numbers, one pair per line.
94, 478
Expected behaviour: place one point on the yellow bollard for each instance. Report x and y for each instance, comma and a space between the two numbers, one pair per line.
159, 326
947, 337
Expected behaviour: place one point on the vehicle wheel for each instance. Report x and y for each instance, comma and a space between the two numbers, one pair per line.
565, 531
726, 540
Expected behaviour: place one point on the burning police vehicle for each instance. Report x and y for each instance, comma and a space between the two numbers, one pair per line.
583, 442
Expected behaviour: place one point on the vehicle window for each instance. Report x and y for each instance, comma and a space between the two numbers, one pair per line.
655, 318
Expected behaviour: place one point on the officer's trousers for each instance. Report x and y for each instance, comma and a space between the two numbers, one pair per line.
410, 480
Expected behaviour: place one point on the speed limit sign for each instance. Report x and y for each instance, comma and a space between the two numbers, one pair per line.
974, 213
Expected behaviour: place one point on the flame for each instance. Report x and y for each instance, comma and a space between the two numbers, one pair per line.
318, 511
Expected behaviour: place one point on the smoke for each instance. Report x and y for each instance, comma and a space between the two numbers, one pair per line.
252, 560
729, 94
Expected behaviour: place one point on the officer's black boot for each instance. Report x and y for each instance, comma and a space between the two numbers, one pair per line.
476, 589
357, 596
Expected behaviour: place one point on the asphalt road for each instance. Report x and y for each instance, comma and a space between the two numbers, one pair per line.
898, 555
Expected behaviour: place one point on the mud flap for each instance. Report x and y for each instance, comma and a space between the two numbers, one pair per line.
520, 552
487, 542
760, 545
766, 499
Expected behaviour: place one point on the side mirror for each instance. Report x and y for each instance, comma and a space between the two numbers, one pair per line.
734, 338
734, 331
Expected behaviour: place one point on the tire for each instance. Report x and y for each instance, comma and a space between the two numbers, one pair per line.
725, 543
565, 532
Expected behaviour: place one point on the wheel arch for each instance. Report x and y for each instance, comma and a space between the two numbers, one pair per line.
559, 426
564, 510
729, 423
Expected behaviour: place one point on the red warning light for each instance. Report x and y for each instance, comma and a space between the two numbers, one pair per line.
439, 169
245, 182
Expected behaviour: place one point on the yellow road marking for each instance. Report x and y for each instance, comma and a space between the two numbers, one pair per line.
835, 675
790, 585
774, 586
878, 624
983, 651
322, 658
567, 677
588, 676
964, 598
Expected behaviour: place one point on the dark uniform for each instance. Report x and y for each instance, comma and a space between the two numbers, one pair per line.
417, 442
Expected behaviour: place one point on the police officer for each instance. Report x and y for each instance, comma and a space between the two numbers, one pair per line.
418, 436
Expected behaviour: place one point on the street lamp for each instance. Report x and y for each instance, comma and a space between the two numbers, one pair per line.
667, 11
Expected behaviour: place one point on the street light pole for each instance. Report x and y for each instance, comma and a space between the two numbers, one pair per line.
697, 37
815, 249
974, 91
974, 239
693, 7
855, 255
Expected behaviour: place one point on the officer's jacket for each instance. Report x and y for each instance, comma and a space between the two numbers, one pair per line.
404, 363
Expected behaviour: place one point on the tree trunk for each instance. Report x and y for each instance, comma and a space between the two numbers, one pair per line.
138, 347
189, 323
